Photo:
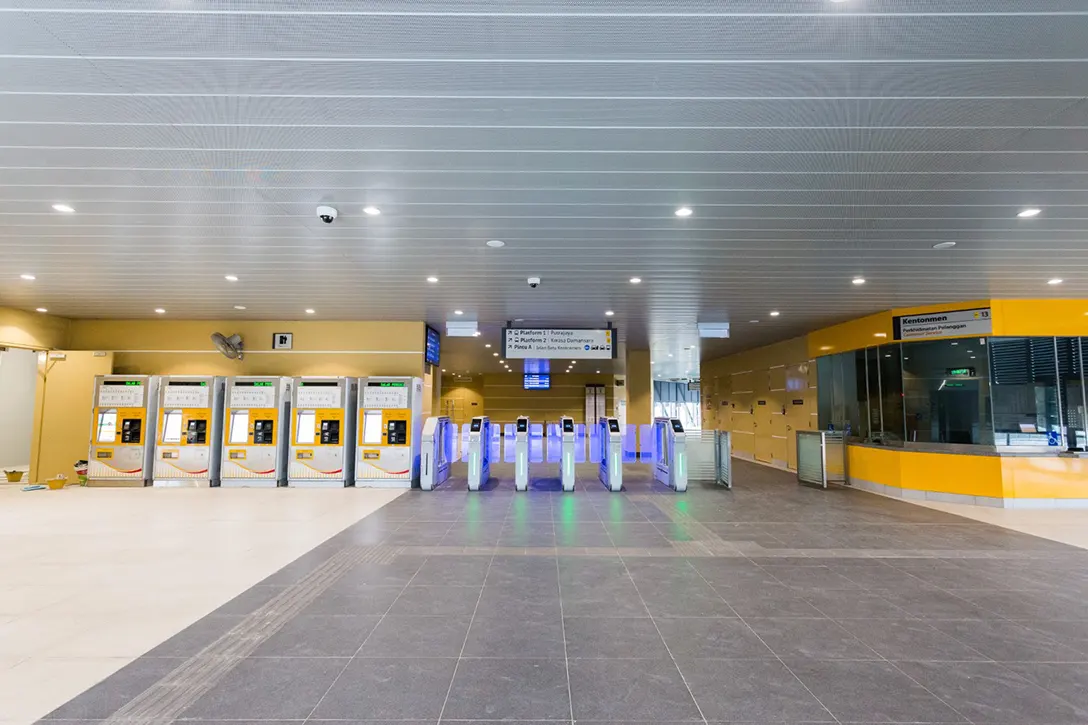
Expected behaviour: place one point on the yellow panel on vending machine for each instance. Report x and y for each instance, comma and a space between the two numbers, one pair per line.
322, 452
189, 436
390, 427
256, 430
122, 430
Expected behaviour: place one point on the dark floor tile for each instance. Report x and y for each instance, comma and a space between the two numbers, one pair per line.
700, 600
812, 577
711, 637
319, 635
1068, 681
398, 573
358, 600
1006, 641
196, 636
771, 601
934, 604
871, 692
596, 637
632, 690
105, 698
1073, 633
250, 600
455, 570
509, 689
909, 639
390, 689
879, 576
843, 604
734, 573
407, 636
265, 688
616, 598
991, 693
749, 691
437, 600
528, 632
820, 639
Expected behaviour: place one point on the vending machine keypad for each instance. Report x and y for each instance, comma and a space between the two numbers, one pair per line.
130, 430
397, 433
197, 432
330, 432
262, 433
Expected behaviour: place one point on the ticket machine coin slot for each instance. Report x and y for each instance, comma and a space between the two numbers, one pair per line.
196, 432
130, 430
397, 433
263, 434
330, 432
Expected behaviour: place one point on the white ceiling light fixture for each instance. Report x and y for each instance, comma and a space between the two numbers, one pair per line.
27, 277
371, 210
684, 211
608, 313
1055, 281
598, 372
239, 307
858, 281
754, 322
42, 309
433, 280
495, 354
502, 362
231, 278
310, 311
944, 245
63, 209
160, 311
636, 280
476, 334
496, 243
458, 312
775, 313
1029, 213
487, 344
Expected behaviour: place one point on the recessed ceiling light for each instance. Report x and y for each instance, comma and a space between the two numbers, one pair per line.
1056, 280
1029, 213
670, 354
42, 309
63, 208
651, 362
859, 281
887, 356
683, 211
972, 357
458, 312
880, 334
495, 354
160, 311
239, 307
753, 321
27, 277
487, 344
825, 348
598, 372
954, 344
572, 362
496, 243
371, 210
775, 313
231, 278
636, 280
309, 312
608, 313
432, 280
443, 369
503, 362
476, 334
944, 245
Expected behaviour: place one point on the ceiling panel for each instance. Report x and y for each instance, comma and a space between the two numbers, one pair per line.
815, 141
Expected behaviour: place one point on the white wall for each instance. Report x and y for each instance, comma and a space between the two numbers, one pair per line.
18, 371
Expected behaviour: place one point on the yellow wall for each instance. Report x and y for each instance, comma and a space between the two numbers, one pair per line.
32, 330
763, 396
640, 388
503, 398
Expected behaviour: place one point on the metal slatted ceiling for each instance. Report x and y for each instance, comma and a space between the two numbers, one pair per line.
816, 141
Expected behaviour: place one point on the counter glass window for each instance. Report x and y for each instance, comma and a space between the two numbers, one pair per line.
946, 392
1025, 391
1071, 372
891, 395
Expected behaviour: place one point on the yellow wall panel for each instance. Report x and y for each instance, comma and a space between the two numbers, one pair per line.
32, 330
1045, 318
1045, 477
876, 465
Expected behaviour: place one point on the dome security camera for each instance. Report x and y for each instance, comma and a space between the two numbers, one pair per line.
534, 282
326, 214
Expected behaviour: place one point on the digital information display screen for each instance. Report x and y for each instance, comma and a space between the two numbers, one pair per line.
537, 382
433, 347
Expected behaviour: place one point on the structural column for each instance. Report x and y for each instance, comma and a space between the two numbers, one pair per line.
640, 388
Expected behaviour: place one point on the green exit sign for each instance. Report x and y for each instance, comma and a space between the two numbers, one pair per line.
960, 372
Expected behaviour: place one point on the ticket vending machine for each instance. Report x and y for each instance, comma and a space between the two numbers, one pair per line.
611, 472
189, 436
479, 452
566, 456
123, 430
255, 431
521, 453
390, 422
322, 450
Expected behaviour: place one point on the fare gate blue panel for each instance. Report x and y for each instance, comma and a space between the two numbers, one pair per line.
496, 443
630, 444
554, 443
464, 441
593, 433
579, 443
647, 444
508, 433
536, 443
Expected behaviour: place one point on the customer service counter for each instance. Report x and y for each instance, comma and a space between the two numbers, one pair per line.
982, 475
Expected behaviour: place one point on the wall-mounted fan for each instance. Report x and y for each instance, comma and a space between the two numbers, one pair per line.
231, 346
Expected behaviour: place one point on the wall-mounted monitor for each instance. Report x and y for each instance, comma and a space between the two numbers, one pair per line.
433, 346
537, 381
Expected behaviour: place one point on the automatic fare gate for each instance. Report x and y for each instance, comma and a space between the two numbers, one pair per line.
436, 452
611, 454
479, 452
671, 466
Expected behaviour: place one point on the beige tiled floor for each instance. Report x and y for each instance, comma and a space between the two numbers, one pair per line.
1069, 526
92, 578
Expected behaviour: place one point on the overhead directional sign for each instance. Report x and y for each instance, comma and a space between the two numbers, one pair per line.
523, 342
954, 323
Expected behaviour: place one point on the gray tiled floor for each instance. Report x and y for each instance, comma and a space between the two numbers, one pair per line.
772, 603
